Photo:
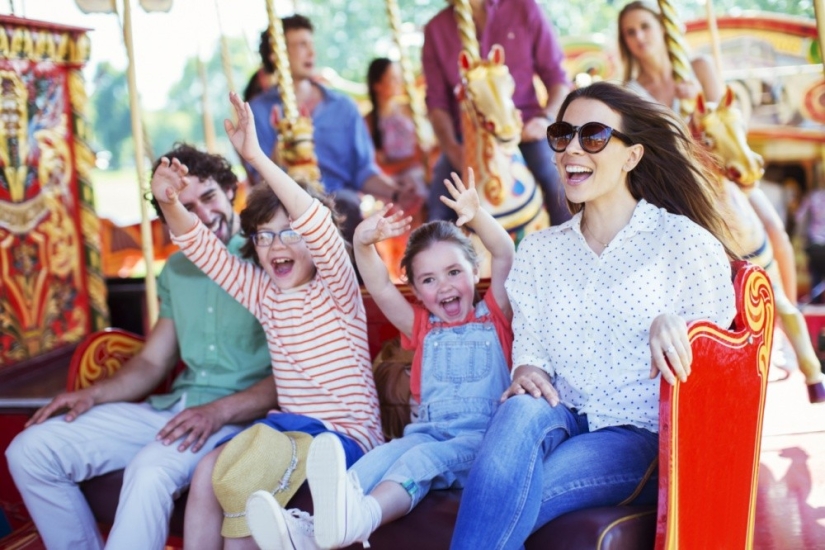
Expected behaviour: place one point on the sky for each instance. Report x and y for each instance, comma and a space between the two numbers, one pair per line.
162, 41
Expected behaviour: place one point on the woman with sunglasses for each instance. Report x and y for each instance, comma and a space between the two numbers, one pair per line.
600, 306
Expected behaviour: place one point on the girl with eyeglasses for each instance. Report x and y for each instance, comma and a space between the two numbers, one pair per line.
600, 306
460, 369
303, 289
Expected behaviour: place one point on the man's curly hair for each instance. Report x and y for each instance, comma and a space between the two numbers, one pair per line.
201, 165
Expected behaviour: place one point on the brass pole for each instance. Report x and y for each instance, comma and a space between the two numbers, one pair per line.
209, 137
677, 51
419, 117
226, 61
143, 188
714, 37
466, 27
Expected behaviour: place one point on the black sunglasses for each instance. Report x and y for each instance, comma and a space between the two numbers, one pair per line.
593, 136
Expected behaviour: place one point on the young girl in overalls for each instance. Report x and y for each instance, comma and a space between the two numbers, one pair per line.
460, 370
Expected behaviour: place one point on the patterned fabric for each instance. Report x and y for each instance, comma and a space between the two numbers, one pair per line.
398, 136
317, 333
585, 319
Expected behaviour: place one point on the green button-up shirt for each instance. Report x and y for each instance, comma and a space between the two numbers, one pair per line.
221, 342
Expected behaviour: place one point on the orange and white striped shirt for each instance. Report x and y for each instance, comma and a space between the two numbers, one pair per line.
317, 333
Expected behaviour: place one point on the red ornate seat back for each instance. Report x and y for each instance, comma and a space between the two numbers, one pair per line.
711, 427
102, 353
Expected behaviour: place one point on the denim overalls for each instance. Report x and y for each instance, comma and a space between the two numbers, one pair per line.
463, 374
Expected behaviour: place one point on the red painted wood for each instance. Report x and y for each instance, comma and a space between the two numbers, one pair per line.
11, 503
710, 428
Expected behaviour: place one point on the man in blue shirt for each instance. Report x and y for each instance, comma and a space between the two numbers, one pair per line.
343, 145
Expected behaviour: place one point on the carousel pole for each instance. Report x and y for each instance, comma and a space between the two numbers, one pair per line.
819, 12
714, 37
284, 76
209, 137
225, 59
466, 28
677, 51
296, 146
419, 116
137, 136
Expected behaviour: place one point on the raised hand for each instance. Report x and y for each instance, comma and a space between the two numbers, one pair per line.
169, 180
379, 226
242, 135
465, 200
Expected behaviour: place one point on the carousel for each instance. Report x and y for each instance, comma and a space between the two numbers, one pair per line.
742, 447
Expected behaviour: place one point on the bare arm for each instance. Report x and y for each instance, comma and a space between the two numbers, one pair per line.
376, 228
778, 237
135, 379
710, 82
555, 96
442, 124
495, 239
199, 423
244, 139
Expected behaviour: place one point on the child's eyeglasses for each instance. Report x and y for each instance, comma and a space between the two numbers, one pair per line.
266, 238
593, 136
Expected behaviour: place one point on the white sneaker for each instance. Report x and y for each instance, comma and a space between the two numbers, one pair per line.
340, 516
274, 528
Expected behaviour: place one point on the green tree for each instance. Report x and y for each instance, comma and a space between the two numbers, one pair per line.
109, 113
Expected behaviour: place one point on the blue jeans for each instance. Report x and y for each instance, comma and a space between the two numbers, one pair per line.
539, 158
538, 462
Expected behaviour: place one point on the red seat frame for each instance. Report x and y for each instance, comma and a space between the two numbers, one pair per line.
710, 438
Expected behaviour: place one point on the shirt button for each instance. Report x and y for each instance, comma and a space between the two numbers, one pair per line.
211, 347
209, 309
435, 345
203, 373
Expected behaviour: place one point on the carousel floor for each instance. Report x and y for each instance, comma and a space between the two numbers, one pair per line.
790, 507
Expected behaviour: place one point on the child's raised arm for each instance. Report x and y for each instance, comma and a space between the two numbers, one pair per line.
245, 141
167, 182
390, 301
492, 235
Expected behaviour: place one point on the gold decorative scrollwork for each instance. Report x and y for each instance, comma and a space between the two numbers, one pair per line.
759, 312
104, 357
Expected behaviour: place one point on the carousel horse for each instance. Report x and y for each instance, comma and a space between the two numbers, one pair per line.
295, 150
492, 126
722, 129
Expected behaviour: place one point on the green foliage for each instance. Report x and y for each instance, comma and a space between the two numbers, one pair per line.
348, 34
109, 114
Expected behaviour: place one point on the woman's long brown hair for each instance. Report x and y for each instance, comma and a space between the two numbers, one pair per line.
675, 173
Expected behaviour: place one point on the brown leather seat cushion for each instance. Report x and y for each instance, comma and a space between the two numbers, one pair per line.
431, 524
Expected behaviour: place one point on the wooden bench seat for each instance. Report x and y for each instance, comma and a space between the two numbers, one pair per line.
710, 437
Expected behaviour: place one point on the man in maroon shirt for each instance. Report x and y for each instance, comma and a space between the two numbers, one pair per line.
530, 47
